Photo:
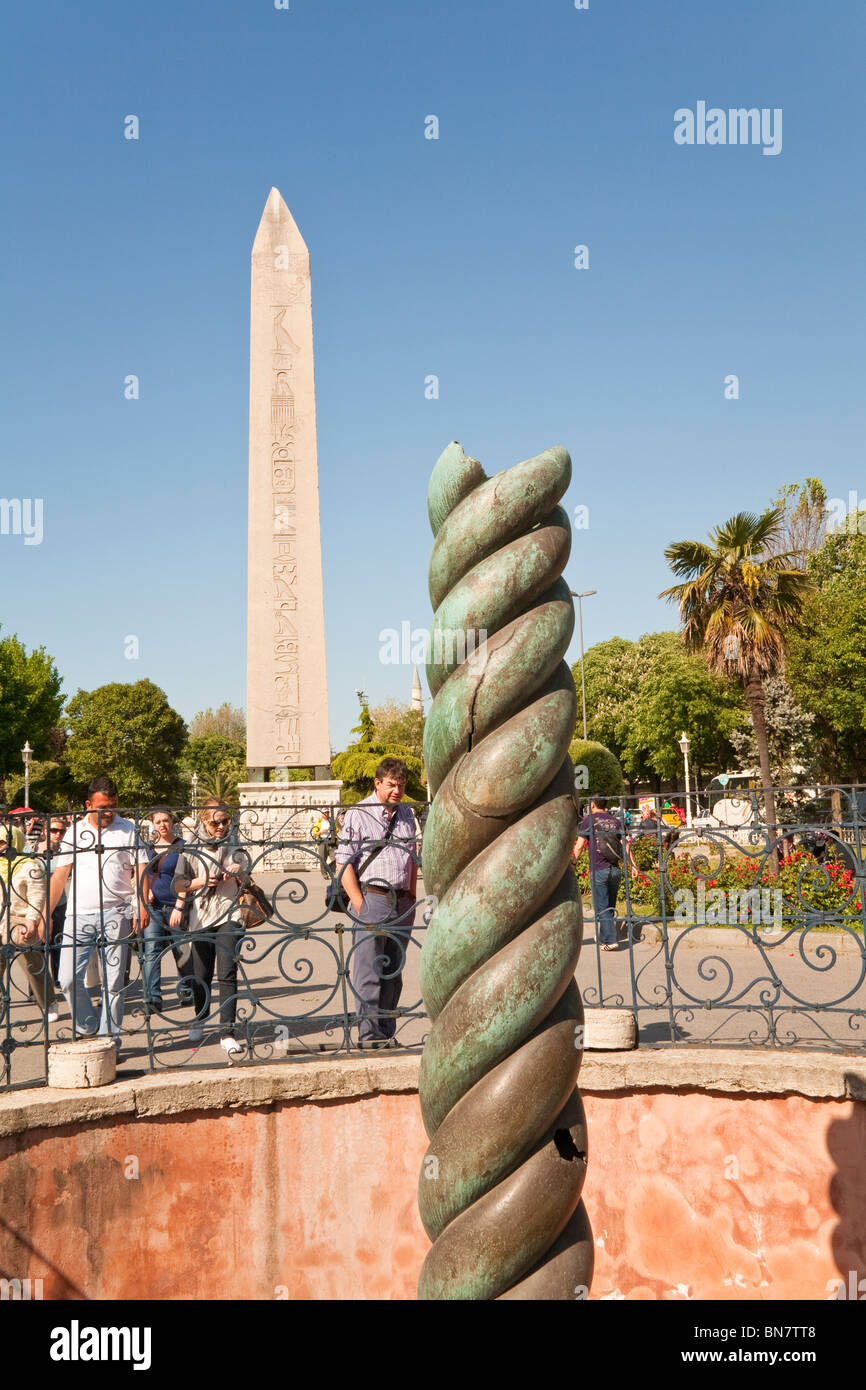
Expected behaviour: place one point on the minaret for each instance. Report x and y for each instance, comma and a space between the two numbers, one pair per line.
287, 700
417, 697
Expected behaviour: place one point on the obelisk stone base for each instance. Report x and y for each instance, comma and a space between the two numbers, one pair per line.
276, 821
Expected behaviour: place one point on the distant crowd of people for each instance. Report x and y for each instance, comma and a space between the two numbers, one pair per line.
93, 880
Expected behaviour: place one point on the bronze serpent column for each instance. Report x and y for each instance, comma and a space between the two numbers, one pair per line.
499, 1190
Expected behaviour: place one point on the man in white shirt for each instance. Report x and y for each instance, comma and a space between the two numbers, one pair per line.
102, 854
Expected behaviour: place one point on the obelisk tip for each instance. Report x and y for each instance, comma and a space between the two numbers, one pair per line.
278, 222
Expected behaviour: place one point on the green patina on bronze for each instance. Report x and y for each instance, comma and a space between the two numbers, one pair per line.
469, 707
499, 1191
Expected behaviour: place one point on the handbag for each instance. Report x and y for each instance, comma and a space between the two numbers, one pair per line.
336, 898
255, 906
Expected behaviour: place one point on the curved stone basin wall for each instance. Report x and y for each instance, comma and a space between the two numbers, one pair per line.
712, 1175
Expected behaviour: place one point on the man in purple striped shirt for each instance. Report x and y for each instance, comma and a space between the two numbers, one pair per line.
381, 891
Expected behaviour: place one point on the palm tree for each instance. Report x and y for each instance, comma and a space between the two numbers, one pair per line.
738, 603
221, 781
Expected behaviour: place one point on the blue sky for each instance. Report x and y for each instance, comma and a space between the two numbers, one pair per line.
451, 257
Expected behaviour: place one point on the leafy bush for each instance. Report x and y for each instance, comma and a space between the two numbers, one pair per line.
603, 772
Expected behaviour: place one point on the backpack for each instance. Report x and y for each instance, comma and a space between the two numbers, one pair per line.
609, 846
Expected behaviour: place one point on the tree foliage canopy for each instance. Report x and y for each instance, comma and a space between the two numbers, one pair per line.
52, 787
739, 599
356, 767
226, 722
603, 773
219, 762
30, 703
803, 518
641, 695
790, 737
131, 733
400, 723
826, 661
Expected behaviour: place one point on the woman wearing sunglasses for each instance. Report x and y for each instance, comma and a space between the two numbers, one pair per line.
209, 877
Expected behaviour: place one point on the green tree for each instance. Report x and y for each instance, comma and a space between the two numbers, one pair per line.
596, 768
641, 695
739, 603
356, 767
52, 787
225, 722
131, 733
672, 691
30, 703
826, 666
219, 762
790, 735
205, 755
803, 520
400, 723
607, 692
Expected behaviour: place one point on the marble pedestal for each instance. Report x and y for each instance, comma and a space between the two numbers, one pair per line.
276, 821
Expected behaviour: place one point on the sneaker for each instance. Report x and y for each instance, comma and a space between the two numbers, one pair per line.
196, 1033
53, 1014
232, 1048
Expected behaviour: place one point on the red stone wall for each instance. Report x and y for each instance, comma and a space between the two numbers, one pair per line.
690, 1195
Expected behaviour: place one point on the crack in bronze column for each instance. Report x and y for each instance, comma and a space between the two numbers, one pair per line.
500, 1184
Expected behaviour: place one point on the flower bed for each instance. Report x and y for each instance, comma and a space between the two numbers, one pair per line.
807, 887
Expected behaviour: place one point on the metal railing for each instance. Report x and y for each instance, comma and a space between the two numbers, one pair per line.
730, 934
281, 985
729, 931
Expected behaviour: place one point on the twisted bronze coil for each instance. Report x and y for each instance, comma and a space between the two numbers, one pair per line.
500, 1185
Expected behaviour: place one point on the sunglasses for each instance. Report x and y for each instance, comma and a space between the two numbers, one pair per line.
219, 823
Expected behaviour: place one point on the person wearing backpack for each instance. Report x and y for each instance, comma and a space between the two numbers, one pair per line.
601, 833
379, 872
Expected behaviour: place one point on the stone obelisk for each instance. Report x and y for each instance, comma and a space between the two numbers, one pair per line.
287, 699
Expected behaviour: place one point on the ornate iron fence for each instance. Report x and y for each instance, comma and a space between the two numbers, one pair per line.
723, 932
729, 930
280, 985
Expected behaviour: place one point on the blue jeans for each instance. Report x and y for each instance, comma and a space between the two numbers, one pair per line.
110, 933
605, 886
157, 936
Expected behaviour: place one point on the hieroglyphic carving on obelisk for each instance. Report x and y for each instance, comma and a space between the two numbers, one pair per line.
287, 703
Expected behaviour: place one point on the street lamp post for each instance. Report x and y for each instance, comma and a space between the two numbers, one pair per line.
586, 594
684, 749
195, 792
27, 755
